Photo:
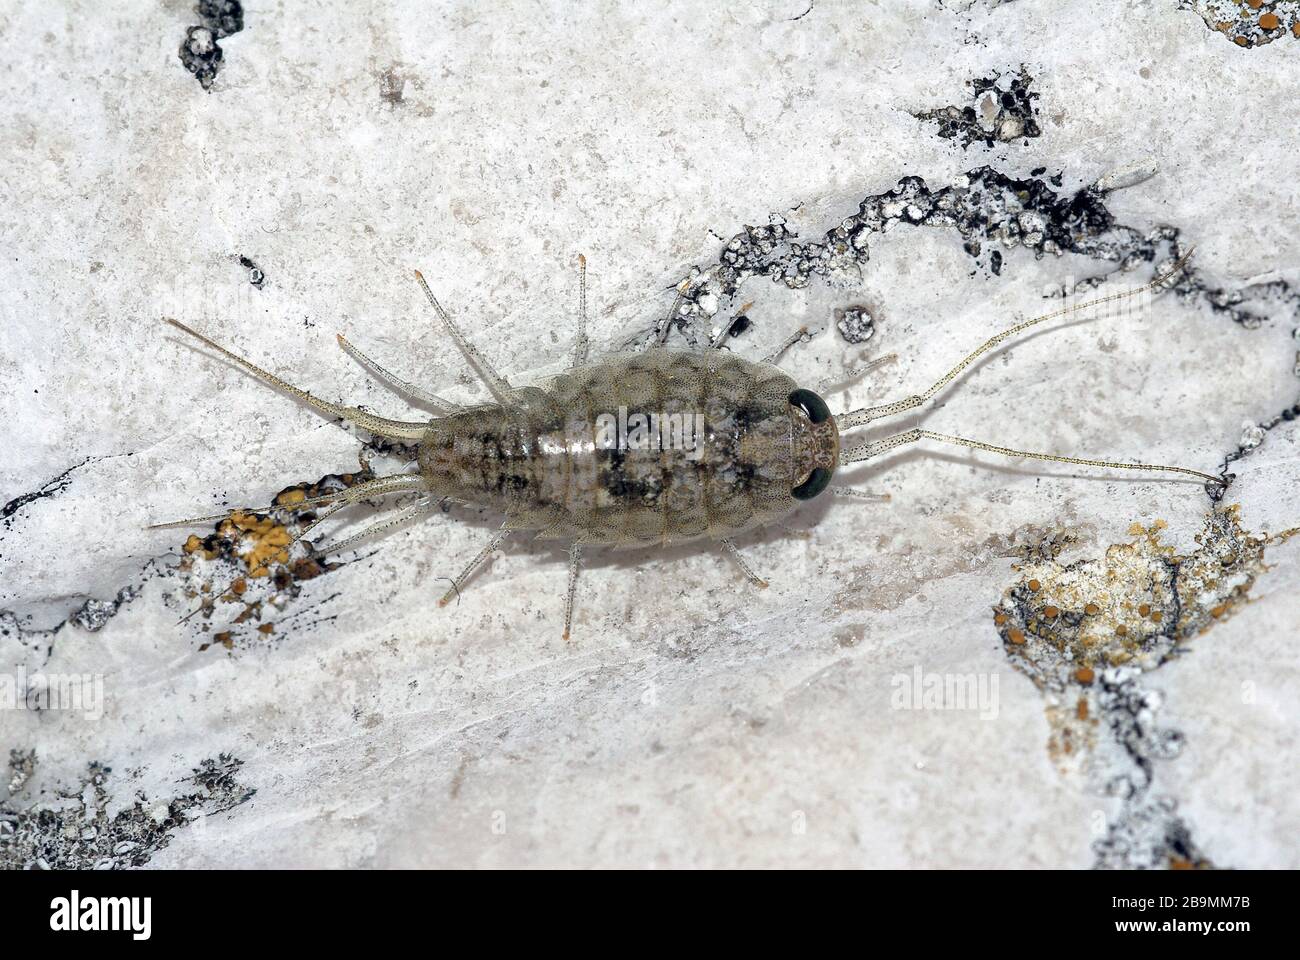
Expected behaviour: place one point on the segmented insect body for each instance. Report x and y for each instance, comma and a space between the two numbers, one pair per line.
657, 447
723, 448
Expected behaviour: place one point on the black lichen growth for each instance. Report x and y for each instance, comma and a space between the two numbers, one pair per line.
1255, 434
22, 764
201, 55
94, 614
200, 52
74, 831
1001, 110
256, 276
855, 324
225, 17
993, 213
739, 324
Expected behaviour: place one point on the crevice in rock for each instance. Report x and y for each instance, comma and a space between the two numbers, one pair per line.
991, 211
51, 488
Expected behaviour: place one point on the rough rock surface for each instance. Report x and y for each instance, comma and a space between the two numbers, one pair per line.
774, 161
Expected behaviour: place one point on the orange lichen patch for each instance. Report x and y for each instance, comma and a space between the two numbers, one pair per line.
225, 638
1081, 709
287, 498
309, 567
1121, 631
1072, 738
254, 554
999, 618
1157, 616
1051, 612
1034, 585
266, 541
1250, 23
1085, 675
1091, 609
1016, 635
1144, 609
1217, 611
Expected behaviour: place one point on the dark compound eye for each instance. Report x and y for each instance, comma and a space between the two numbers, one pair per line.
811, 404
817, 411
815, 484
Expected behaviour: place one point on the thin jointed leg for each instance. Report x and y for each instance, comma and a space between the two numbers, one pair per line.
831, 384
454, 590
575, 562
855, 494
799, 335
496, 384
675, 311
741, 562
581, 345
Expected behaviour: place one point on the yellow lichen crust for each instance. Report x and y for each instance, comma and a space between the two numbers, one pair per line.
262, 541
250, 559
1087, 632
1061, 625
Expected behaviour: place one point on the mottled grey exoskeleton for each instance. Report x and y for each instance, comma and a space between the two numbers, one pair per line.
726, 445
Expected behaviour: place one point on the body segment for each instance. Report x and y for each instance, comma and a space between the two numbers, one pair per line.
661, 446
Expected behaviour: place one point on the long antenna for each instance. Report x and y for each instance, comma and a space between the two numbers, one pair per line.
857, 418
865, 451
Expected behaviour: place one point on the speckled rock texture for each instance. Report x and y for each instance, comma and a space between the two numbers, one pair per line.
939, 680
